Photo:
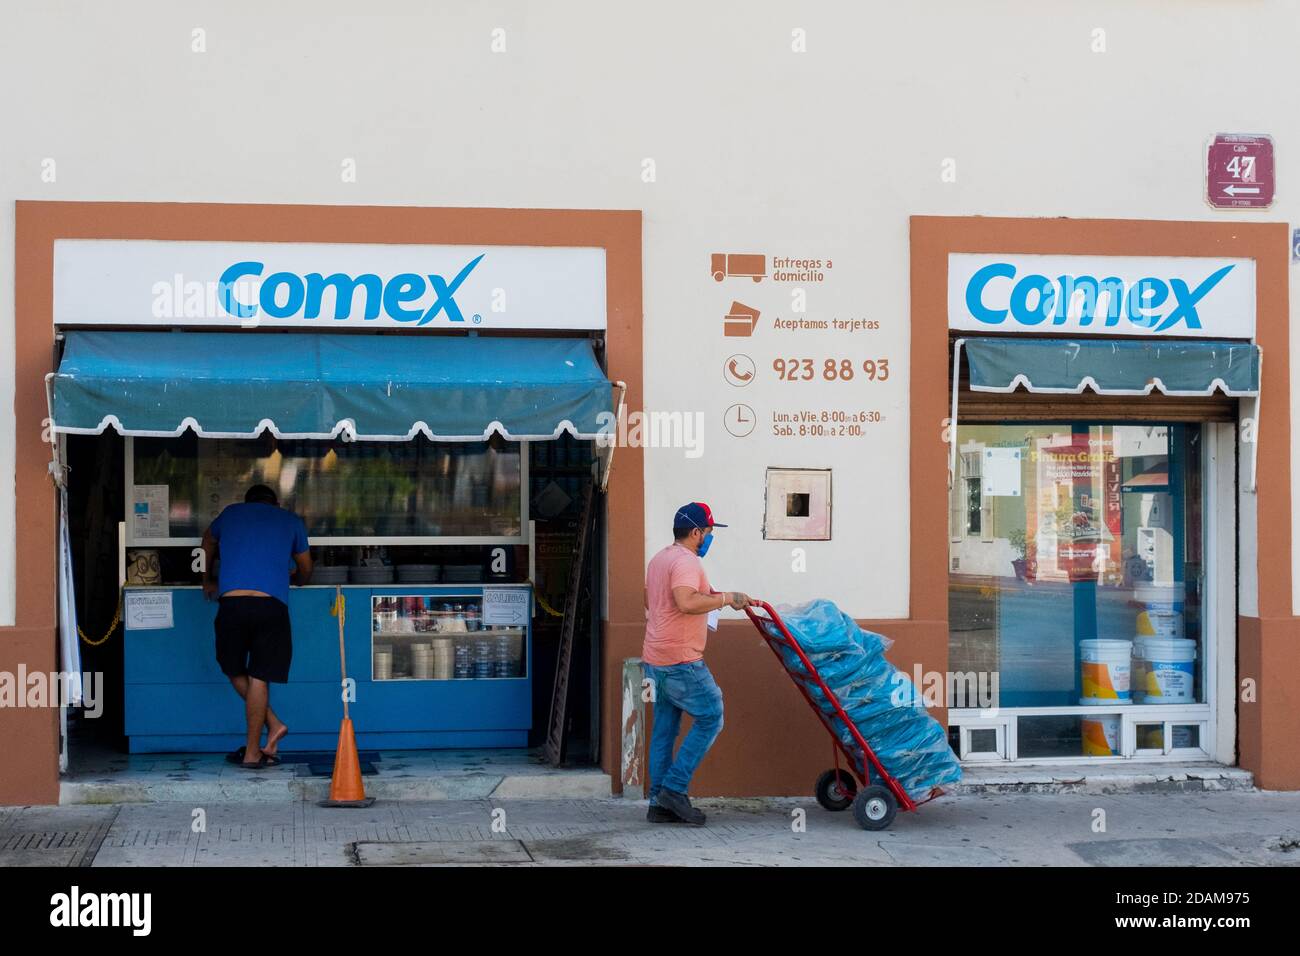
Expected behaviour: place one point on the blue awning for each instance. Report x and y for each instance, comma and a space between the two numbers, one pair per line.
1113, 366
311, 385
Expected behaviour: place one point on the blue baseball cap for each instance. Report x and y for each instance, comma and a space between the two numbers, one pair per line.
695, 515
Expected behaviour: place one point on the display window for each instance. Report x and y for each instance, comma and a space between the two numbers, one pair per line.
1077, 590
442, 637
418, 489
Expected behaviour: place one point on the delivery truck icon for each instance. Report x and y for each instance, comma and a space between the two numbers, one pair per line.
738, 264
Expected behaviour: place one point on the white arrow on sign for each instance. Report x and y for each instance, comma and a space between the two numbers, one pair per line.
1232, 189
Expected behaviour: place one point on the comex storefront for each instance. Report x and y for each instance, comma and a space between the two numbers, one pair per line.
1038, 573
425, 408
1105, 431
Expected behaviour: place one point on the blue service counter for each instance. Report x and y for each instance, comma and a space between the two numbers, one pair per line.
178, 700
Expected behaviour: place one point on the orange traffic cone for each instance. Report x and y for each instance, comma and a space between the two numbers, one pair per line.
346, 788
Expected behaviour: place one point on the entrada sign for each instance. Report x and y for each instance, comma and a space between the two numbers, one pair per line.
327, 286
1102, 295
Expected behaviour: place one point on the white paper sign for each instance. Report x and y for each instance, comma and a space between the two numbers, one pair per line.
148, 610
505, 606
149, 512
1000, 474
713, 619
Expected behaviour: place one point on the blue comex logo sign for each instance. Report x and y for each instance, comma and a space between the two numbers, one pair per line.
328, 286
404, 297
1102, 295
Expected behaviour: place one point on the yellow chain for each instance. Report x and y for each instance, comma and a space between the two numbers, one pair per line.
117, 619
541, 601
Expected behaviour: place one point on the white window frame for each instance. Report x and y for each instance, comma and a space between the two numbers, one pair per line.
1216, 717
999, 752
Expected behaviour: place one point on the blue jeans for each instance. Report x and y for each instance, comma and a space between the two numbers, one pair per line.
681, 688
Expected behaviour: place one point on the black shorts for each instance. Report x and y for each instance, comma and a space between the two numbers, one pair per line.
253, 638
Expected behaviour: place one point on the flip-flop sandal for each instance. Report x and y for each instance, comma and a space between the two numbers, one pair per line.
272, 760
236, 756
260, 765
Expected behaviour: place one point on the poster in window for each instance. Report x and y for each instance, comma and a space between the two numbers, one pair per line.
149, 511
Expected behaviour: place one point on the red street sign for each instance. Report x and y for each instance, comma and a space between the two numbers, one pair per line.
1239, 172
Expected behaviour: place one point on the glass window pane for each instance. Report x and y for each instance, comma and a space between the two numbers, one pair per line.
1068, 735
367, 489
1086, 586
1151, 737
437, 637
984, 740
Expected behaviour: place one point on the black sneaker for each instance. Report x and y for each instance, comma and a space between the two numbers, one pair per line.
679, 805
657, 814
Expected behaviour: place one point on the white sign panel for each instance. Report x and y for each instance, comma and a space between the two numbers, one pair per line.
149, 512
148, 610
1102, 295
1000, 472
323, 286
505, 607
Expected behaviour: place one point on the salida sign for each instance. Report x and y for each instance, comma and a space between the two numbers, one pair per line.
1102, 295
325, 286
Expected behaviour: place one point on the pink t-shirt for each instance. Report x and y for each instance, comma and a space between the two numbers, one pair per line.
672, 637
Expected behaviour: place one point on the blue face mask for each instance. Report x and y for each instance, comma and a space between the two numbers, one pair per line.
704, 545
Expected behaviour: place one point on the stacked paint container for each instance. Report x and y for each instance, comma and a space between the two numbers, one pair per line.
1164, 661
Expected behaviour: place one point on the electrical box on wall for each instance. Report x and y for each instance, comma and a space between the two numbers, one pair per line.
798, 505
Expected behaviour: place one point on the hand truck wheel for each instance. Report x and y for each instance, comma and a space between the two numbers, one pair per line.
874, 808
835, 790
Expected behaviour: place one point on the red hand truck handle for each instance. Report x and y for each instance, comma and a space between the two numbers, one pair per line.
871, 765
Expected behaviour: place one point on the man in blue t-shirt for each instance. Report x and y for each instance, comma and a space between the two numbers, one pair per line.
260, 546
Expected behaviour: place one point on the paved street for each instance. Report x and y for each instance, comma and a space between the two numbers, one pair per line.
1052, 829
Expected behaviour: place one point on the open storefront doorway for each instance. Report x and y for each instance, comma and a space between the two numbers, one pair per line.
387, 517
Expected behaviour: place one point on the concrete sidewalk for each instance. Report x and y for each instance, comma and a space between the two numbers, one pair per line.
1248, 828
103, 776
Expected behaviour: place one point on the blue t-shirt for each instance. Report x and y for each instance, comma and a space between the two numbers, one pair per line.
257, 543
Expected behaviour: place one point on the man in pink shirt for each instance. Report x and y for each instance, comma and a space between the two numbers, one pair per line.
678, 600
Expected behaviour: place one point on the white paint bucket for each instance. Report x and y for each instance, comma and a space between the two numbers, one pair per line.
1106, 669
1161, 597
1161, 613
1167, 669
1101, 736
1162, 624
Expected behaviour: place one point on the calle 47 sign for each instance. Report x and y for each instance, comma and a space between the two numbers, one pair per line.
1239, 172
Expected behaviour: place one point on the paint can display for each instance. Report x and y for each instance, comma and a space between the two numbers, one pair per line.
1161, 613
1105, 668
1167, 669
1101, 736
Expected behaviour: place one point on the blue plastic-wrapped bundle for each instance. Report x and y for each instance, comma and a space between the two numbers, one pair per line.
880, 699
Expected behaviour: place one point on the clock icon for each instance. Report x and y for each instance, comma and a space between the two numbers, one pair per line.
739, 420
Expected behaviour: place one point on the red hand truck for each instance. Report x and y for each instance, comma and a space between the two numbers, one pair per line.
875, 804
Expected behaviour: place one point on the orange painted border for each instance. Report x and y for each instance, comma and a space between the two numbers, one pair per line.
29, 760
1267, 647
